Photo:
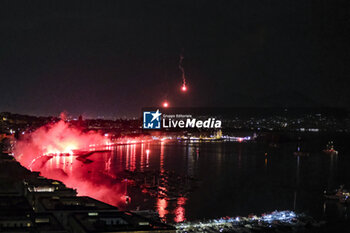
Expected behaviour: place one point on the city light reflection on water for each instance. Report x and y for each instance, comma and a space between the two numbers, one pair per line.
235, 179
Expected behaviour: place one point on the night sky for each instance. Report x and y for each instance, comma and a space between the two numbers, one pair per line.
111, 58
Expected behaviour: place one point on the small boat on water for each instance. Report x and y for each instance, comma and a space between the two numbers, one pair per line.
341, 194
330, 149
84, 159
299, 152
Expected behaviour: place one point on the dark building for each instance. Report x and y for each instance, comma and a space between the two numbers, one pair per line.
15, 214
115, 221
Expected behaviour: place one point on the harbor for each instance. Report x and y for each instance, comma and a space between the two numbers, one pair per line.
170, 178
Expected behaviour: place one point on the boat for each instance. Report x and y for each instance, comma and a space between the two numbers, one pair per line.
84, 160
300, 153
345, 199
330, 149
171, 198
340, 194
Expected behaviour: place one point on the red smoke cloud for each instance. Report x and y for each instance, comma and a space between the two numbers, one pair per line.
39, 151
54, 138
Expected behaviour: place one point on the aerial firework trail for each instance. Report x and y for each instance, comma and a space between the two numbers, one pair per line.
183, 87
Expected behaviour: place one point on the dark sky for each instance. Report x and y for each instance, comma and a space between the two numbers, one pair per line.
111, 58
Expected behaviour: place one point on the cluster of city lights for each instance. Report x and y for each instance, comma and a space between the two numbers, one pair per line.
237, 139
274, 217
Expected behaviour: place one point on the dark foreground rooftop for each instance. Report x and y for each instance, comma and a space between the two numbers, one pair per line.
117, 221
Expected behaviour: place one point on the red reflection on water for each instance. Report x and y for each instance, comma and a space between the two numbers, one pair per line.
133, 158
161, 207
89, 179
180, 210
162, 157
147, 157
141, 159
162, 191
127, 164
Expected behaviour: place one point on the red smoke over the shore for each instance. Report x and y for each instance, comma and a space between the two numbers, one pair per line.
54, 138
42, 151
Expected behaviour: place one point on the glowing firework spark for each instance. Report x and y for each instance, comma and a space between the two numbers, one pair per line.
165, 104
184, 86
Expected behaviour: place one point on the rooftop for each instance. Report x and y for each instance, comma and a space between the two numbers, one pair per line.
13, 204
118, 221
46, 222
73, 203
